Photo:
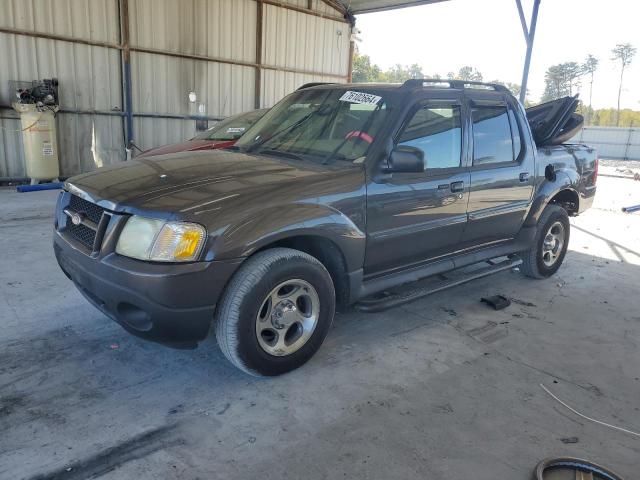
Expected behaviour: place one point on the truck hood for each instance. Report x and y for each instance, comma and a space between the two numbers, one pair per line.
185, 184
554, 122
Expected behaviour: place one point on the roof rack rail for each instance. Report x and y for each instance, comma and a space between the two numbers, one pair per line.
419, 82
314, 84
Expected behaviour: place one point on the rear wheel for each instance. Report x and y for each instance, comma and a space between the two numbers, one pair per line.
276, 312
549, 248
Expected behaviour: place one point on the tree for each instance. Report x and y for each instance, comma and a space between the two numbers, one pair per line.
400, 73
363, 70
466, 73
514, 88
589, 67
625, 53
560, 80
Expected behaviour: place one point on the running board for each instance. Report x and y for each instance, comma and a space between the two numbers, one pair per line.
406, 294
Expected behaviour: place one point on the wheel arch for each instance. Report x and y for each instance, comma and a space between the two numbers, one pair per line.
326, 251
560, 192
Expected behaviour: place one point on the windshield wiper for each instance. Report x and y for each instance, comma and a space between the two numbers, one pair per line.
278, 153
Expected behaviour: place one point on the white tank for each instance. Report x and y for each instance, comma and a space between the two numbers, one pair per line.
39, 141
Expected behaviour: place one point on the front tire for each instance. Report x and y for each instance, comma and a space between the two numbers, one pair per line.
549, 248
275, 312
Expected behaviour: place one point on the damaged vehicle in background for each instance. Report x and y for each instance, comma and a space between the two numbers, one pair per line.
223, 134
338, 194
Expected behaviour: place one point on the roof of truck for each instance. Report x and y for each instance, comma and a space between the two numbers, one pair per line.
415, 83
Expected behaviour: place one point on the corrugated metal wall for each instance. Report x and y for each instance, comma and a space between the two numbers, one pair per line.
205, 46
89, 78
616, 143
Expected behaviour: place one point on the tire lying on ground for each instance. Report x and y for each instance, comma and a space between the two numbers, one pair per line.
275, 312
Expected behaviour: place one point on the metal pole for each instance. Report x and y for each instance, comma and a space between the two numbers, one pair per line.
527, 60
258, 71
126, 73
626, 148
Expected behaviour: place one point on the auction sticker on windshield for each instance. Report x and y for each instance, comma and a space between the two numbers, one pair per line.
360, 97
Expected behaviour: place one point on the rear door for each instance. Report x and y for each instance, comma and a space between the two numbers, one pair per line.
502, 170
413, 217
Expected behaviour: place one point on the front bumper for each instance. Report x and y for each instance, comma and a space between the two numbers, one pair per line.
172, 304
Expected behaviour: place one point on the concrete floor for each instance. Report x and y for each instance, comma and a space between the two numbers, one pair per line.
443, 388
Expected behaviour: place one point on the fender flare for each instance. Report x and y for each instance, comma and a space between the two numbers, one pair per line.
250, 234
549, 189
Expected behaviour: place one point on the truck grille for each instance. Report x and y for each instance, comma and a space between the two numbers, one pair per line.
87, 231
91, 210
83, 234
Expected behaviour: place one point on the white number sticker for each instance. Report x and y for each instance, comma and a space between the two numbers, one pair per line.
47, 148
360, 97
235, 129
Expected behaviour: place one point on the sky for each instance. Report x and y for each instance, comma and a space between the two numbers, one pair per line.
487, 34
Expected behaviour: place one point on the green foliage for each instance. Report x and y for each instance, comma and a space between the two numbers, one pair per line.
590, 65
561, 79
466, 73
515, 89
623, 52
606, 117
366, 72
399, 73
363, 70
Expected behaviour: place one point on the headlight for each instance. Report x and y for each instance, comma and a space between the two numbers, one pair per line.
160, 241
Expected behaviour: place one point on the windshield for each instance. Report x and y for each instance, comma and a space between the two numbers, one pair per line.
231, 128
319, 124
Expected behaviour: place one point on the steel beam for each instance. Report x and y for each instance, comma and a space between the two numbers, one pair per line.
258, 72
530, 34
127, 86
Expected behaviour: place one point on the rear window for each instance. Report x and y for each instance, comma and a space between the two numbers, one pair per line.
492, 140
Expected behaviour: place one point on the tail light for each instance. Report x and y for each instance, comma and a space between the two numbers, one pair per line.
595, 171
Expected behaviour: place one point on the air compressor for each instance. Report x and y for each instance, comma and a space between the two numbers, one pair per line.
37, 103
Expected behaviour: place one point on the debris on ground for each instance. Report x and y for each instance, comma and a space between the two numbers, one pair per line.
569, 440
114, 346
498, 302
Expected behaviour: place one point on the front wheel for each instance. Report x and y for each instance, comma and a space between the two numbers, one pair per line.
275, 312
549, 248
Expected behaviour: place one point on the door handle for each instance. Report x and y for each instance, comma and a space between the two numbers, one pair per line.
524, 177
457, 186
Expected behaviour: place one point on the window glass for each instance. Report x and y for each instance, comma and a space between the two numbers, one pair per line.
492, 141
437, 132
515, 134
231, 128
319, 124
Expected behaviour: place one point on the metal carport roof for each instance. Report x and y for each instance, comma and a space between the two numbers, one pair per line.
367, 6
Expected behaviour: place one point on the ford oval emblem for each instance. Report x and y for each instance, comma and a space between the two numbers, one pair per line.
76, 219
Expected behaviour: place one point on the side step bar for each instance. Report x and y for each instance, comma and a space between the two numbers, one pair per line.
408, 294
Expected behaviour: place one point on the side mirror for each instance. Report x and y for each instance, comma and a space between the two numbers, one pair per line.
405, 159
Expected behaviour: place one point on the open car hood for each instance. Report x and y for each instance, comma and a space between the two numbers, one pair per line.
554, 122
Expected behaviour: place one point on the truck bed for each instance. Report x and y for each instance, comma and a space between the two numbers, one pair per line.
569, 157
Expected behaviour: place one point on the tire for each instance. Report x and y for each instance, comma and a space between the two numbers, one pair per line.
535, 262
251, 322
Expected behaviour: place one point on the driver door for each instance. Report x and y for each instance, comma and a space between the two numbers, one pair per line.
414, 217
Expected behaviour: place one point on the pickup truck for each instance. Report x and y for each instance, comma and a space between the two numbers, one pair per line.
338, 193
